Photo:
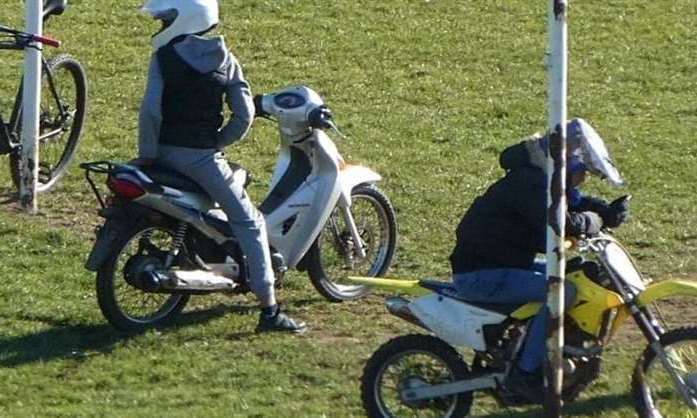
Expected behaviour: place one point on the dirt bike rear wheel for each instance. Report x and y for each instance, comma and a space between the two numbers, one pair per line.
126, 307
406, 362
654, 393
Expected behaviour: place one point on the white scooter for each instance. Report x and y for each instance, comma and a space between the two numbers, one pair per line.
165, 239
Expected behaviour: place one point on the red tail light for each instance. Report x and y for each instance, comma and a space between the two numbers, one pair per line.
125, 188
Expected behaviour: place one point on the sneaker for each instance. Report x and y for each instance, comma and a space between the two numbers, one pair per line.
279, 322
526, 385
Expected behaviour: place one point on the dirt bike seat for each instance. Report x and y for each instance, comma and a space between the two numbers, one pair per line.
54, 7
449, 290
171, 178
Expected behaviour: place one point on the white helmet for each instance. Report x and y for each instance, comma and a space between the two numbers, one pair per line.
585, 143
181, 17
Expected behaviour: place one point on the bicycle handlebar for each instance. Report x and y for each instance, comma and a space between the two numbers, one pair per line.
23, 38
46, 41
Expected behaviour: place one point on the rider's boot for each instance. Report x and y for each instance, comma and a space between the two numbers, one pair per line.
272, 319
527, 386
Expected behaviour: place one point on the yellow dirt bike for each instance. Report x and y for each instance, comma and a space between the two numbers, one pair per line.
425, 375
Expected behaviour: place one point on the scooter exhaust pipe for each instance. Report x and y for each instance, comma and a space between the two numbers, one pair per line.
186, 281
399, 307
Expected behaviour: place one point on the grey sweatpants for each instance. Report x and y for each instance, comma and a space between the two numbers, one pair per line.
210, 170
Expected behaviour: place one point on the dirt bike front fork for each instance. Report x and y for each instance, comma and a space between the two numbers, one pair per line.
653, 331
669, 363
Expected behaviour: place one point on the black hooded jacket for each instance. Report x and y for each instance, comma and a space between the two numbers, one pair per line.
506, 226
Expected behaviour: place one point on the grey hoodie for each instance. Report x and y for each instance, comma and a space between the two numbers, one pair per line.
205, 55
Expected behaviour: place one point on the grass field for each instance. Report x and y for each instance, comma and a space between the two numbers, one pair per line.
429, 92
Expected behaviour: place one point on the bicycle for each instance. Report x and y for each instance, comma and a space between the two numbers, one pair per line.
62, 111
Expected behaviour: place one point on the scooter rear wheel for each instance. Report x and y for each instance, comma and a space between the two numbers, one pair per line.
125, 306
332, 257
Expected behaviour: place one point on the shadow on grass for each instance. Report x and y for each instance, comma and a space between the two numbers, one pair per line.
596, 406
8, 196
303, 302
65, 340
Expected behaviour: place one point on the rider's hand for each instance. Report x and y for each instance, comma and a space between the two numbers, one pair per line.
617, 212
592, 224
258, 106
142, 162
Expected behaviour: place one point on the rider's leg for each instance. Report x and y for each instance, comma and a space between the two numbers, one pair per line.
535, 350
514, 286
211, 171
503, 285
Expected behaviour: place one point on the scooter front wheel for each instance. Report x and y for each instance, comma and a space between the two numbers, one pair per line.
333, 257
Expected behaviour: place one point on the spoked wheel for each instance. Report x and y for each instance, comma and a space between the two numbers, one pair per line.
61, 117
653, 388
333, 256
410, 362
123, 304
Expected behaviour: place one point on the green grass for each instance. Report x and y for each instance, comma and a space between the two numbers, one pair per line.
428, 92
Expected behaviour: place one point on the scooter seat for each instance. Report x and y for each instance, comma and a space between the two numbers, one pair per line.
54, 7
171, 178
449, 290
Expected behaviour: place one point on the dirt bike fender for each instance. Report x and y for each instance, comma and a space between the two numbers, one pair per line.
455, 322
666, 289
351, 176
408, 286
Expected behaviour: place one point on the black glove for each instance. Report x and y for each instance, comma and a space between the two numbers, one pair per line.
617, 212
593, 223
258, 108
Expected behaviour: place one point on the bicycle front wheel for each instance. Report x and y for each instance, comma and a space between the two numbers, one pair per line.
61, 118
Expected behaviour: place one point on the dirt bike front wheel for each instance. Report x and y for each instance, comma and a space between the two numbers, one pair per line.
654, 390
334, 256
408, 362
125, 306
61, 118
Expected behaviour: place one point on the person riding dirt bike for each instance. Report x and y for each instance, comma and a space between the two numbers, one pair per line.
181, 128
500, 234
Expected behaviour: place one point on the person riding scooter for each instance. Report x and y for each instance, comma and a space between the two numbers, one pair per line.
181, 128
500, 234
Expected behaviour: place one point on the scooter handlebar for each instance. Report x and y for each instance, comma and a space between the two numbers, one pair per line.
259, 106
320, 118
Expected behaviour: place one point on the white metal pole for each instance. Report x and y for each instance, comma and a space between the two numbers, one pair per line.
556, 219
29, 163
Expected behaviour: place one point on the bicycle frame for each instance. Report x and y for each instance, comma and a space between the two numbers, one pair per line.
62, 105
9, 132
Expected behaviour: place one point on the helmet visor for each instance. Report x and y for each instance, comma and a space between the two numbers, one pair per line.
166, 16
594, 153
